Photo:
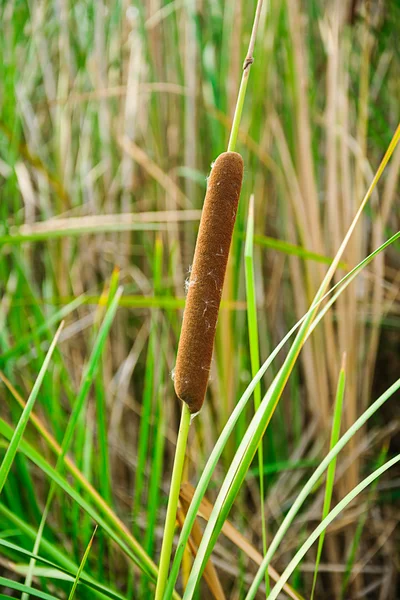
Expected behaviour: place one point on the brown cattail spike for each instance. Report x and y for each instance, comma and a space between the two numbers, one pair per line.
207, 280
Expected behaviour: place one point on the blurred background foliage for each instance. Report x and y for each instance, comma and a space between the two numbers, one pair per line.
111, 114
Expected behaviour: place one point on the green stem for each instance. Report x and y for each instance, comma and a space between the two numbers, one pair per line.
173, 502
255, 358
238, 111
245, 78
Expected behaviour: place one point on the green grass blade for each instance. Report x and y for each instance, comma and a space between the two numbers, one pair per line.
18, 238
282, 466
133, 551
260, 421
240, 406
251, 302
307, 489
53, 320
158, 429
19, 587
360, 526
56, 555
90, 371
24, 418
82, 566
100, 590
144, 428
330, 475
328, 519
86, 384
147, 423
156, 478
104, 463
293, 250
111, 525
101, 410
255, 356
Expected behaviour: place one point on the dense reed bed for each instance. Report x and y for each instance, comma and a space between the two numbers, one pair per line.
111, 113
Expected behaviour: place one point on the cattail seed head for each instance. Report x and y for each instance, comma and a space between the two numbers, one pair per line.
206, 281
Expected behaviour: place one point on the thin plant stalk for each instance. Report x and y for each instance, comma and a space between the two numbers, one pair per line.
330, 476
255, 359
173, 501
245, 79
82, 566
166, 547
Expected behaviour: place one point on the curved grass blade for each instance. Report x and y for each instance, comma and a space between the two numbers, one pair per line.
232, 534
129, 546
52, 473
360, 526
111, 519
87, 380
240, 406
100, 590
54, 319
24, 418
330, 475
293, 250
82, 566
22, 528
313, 480
328, 519
19, 587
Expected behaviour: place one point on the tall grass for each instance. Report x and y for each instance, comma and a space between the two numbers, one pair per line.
110, 115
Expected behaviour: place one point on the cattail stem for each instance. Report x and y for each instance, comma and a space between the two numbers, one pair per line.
245, 78
186, 411
173, 501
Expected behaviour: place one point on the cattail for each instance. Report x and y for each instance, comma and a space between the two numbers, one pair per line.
204, 296
207, 280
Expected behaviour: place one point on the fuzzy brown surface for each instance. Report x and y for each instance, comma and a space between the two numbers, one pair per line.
207, 279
